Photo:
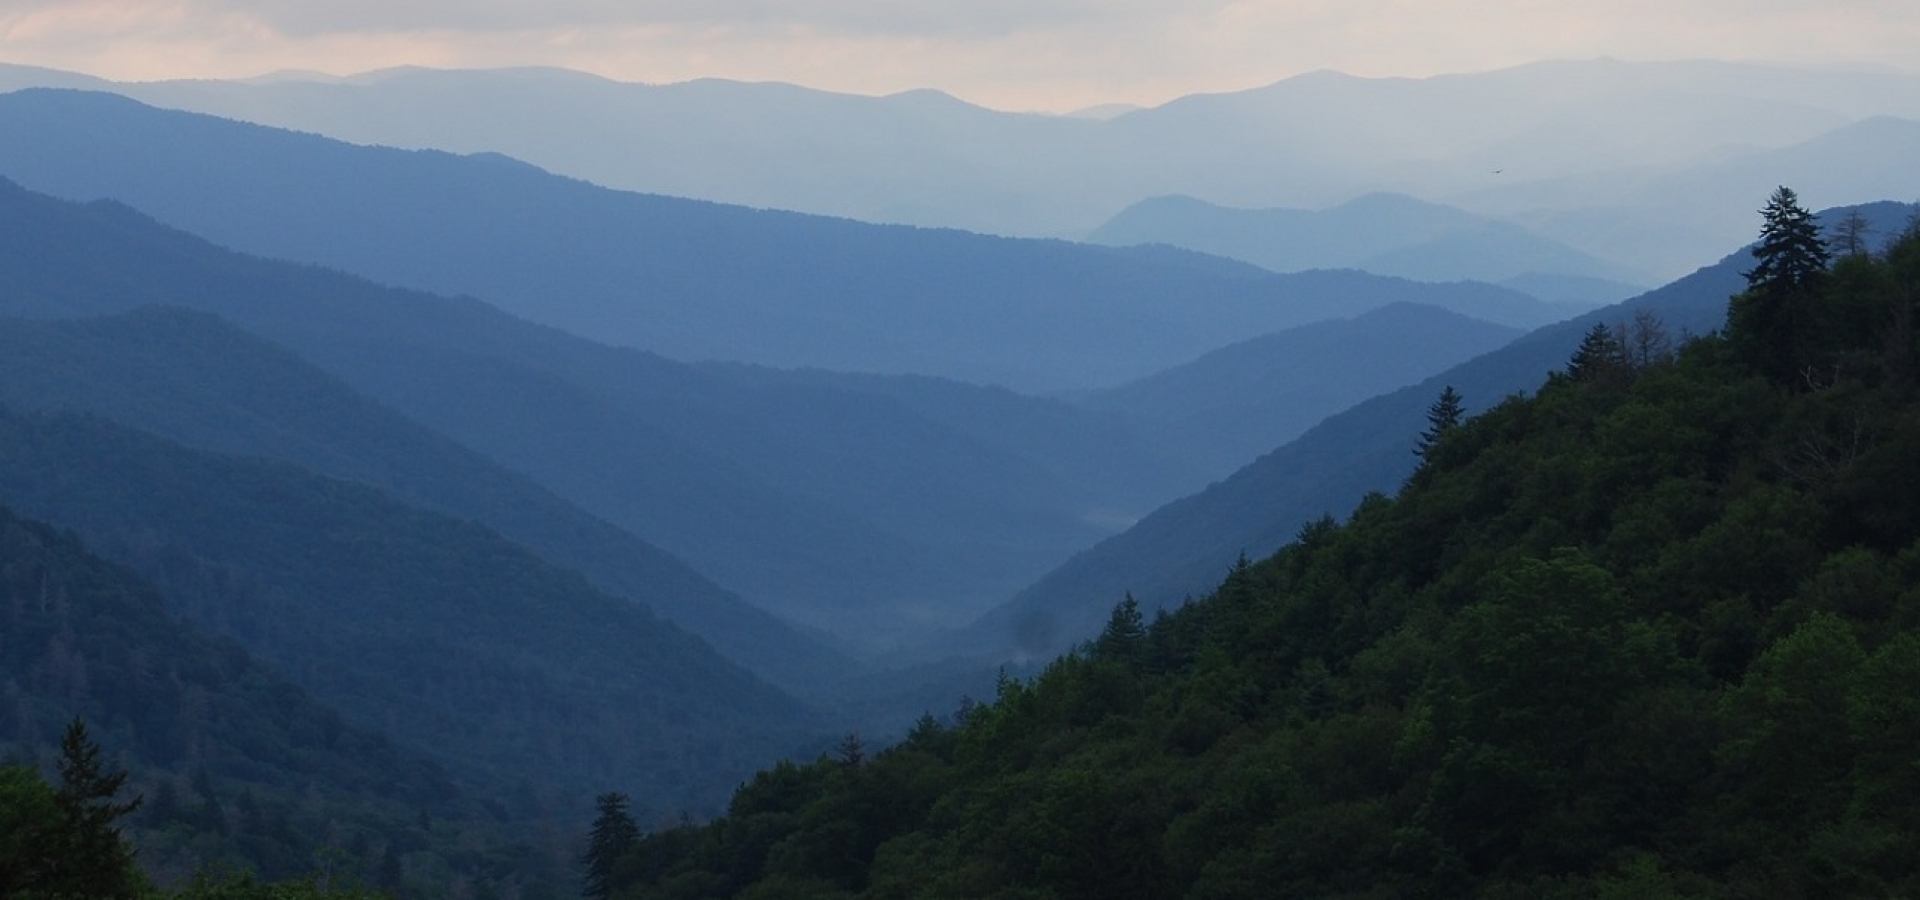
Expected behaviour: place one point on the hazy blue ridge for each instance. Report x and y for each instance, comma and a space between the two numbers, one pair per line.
436, 631
1386, 234
1185, 548
1236, 403
693, 280
196, 379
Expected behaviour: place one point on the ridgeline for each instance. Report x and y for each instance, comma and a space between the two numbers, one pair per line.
1653, 631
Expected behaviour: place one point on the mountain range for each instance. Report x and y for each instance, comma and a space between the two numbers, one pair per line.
1386, 234
692, 280
1576, 151
867, 513
487, 489
1185, 548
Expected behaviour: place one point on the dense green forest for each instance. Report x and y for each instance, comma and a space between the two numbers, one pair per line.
1650, 632
233, 766
435, 631
68, 841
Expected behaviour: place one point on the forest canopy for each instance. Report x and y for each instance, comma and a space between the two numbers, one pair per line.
1652, 631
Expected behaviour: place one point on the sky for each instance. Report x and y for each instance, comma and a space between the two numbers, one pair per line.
1051, 55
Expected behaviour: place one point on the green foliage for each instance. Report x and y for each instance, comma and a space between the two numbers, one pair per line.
65, 844
208, 885
1443, 416
238, 767
1791, 256
31, 829
1781, 323
614, 833
458, 642
1648, 634
97, 861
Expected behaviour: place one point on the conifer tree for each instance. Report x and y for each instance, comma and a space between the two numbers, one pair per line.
614, 833
97, 863
1791, 256
1774, 324
1601, 352
851, 751
1125, 633
1444, 415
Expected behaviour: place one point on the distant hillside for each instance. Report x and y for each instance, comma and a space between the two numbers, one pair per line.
1657, 215
436, 631
1386, 234
194, 378
1185, 548
844, 509
691, 280
1240, 401
1309, 141
235, 763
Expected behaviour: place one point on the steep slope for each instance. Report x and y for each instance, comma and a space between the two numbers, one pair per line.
436, 631
692, 280
1240, 401
772, 488
198, 380
1184, 548
1651, 631
203, 728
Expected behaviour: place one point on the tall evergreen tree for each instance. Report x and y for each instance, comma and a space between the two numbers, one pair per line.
614, 833
1125, 634
96, 861
1601, 353
1774, 324
1444, 415
1790, 254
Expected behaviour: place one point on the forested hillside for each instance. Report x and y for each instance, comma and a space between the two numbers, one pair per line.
234, 764
1237, 403
1182, 549
810, 500
197, 379
1653, 631
515, 673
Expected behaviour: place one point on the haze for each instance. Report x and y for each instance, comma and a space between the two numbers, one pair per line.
1058, 55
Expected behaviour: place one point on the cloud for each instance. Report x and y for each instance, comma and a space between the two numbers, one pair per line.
907, 18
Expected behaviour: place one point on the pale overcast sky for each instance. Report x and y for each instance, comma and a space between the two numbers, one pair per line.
1010, 54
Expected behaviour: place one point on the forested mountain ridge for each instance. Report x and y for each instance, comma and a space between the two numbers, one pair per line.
1652, 631
690, 459
194, 378
1183, 548
1235, 404
692, 280
747, 474
235, 764
435, 631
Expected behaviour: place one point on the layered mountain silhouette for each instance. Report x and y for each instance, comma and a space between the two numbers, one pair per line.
1386, 234
205, 730
193, 378
1555, 140
692, 280
1236, 403
1184, 548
